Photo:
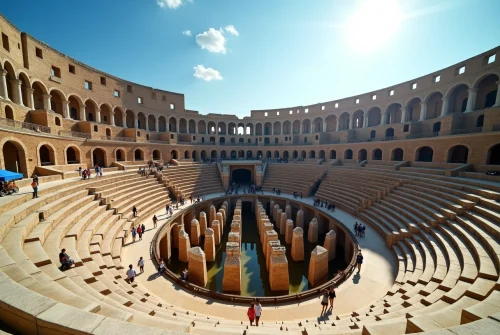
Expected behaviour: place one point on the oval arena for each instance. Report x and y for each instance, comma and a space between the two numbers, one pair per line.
262, 206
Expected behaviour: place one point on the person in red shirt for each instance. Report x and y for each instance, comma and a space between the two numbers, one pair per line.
139, 231
251, 313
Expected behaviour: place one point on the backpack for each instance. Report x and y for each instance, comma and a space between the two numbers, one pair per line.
34, 184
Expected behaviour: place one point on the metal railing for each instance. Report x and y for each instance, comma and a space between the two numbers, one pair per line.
73, 134
117, 138
158, 142
24, 125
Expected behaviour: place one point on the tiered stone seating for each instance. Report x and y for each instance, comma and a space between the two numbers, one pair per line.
193, 179
291, 177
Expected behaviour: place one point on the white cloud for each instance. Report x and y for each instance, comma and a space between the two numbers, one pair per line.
232, 30
186, 32
173, 4
213, 40
207, 74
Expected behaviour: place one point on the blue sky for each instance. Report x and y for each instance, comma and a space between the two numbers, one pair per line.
285, 53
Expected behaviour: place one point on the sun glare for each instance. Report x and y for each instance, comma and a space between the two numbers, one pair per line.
373, 24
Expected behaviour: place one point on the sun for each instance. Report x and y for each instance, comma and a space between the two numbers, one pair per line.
373, 24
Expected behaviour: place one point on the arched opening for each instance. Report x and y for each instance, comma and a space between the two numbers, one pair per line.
318, 125
162, 124
241, 140
258, 129
436, 127
285, 154
130, 119
389, 132
362, 155
14, 158
141, 121
47, 156
397, 155
120, 155
223, 154
358, 119
266, 140
105, 114
333, 154
108, 132
424, 154
241, 176
152, 123
222, 140
277, 128
494, 155
373, 134
393, 113
9, 113
9, 78
249, 154
434, 105
56, 102
234, 154
138, 155
374, 116
312, 154
296, 127
331, 123
156, 155
348, 154
187, 154
295, 154
457, 100
203, 155
38, 92
192, 127
213, 154
173, 154
486, 91
183, 128
25, 86
276, 154
72, 155
75, 104
99, 157
458, 154
118, 117
480, 121
305, 139
202, 127
377, 155
306, 126
233, 140
303, 154
287, 128
172, 125
259, 154
221, 128
413, 110
194, 155
344, 120
322, 154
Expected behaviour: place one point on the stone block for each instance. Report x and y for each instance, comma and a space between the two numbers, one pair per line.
232, 249
217, 234
312, 234
300, 218
203, 223
224, 217
283, 218
270, 235
277, 220
330, 244
318, 265
209, 245
184, 245
278, 270
270, 245
298, 244
274, 210
231, 281
234, 237
195, 232
288, 231
288, 211
197, 267
267, 226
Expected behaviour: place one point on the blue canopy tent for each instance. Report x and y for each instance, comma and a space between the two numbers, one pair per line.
8, 175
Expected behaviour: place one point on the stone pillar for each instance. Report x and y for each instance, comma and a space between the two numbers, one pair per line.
31, 99
203, 223
423, 111
337, 126
288, 231
269, 248
444, 108
300, 218
403, 114
209, 245
234, 237
312, 234
231, 281
365, 121
216, 228
184, 245
136, 121
112, 118
124, 120
98, 115
351, 121
83, 113
497, 101
270, 235
65, 104
222, 210
271, 208
219, 218
157, 124
211, 216
301, 128
195, 232
275, 209
147, 123
324, 127
288, 211
330, 244
283, 219
46, 102
298, 244
197, 267
318, 265
175, 235
278, 272
16, 91
3, 84
471, 100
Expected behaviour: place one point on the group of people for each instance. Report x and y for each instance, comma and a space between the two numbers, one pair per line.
359, 229
86, 173
140, 230
328, 296
296, 195
254, 312
320, 203
276, 190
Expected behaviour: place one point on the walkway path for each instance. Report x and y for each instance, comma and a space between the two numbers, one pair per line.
376, 278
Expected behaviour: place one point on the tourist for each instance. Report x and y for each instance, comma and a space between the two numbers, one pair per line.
191, 198
332, 295
155, 220
161, 267
356, 228
171, 211
167, 207
185, 274
359, 261
363, 227
324, 301
134, 211
80, 171
34, 184
140, 264
100, 171
131, 274
251, 313
139, 231
66, 262
258, 311
301, 195
143, 226
134, 233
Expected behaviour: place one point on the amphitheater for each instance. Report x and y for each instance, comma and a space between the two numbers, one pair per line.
408, 161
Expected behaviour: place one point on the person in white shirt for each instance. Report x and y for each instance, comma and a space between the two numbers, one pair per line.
161, 267
131, 274
258, 311
140, 264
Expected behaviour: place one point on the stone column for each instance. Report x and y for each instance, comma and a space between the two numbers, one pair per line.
219, 218
365, 121
324, 126
98, 115
300, 218
231, 281
136, 121
330, 244
269, 248
224, 217
267, 226
197, 267
312, 234
157, 124
3, 85
288, 231
211, 216
195, 232
351, 121
216, 228
318, 265
31, 99
403, 114
203, 223
497, 101
83, 113
65, 104
337, 126
444, 108
277, 216
234, 237
423, 111
298, 244
283, 219
471, 100
209, 245
271, 208
288, 211
184, 245
301, 128
46, 102
269, 235
16, 91
147, 123
124, 120
278, 272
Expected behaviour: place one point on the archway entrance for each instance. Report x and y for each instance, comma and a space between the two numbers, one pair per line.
14, 158
241, 176
98, 157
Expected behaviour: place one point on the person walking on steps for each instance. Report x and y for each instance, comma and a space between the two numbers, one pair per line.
258, 311
139, 231
251, 313
359, 261
324, 301
143, 226
131, 274
155, 221
34, 184
134, 234
140, 264
331, 295
134, 211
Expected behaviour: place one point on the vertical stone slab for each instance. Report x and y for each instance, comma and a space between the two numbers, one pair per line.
184, 246
216, 228
231, 281
175, 235
209, 245
312, 234
195, 232
288, 211
270, 235
223, 211
318, 265
330, 244
203, 223
300, 218
267, 226
275, 211
219, 217
197, 267
288, 231
298, 244
283, 218
271, 209
278, 272
211, 216
270, 246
